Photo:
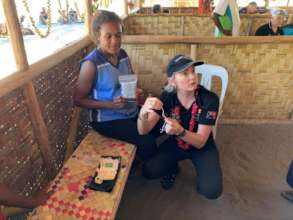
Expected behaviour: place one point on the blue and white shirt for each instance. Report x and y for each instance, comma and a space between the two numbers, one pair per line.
106, 86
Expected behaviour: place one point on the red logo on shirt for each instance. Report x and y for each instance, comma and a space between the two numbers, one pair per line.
212, 115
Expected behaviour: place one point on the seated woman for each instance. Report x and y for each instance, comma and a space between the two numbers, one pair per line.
251, 8
273, 28
43, 17
63, 19
99, 90
25, 26
189, 114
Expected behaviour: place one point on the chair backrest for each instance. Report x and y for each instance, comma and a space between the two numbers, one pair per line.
207, 72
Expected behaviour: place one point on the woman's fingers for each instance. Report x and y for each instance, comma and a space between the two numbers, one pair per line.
171, 125
119, 102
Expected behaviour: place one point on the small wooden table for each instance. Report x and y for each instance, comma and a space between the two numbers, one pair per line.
71, 198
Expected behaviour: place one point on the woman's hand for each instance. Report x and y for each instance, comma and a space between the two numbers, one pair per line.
147, 118
172, 126
118, 102
151, 104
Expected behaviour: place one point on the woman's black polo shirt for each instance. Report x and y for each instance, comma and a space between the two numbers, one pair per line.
266, 30
208, 103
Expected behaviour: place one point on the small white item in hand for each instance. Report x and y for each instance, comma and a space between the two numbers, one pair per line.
107, 169
128, 86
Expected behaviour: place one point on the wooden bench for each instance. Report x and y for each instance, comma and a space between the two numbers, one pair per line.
71, 199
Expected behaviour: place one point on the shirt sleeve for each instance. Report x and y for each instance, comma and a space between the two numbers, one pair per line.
221, 7
90, 57
209, 111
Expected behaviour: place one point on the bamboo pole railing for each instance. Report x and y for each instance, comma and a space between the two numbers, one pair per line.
167, 39
125, 5
14, 30
88, 14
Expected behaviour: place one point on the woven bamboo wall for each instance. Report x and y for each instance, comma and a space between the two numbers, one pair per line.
21, 164
54, 92
260, 75
261, 79
149, 62
184, 25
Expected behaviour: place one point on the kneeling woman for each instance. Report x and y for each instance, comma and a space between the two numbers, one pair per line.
189, 113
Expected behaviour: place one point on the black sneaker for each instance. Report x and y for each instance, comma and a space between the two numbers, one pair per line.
287, 195
168, 181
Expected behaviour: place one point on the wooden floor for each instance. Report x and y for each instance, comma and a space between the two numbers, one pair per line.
254, 158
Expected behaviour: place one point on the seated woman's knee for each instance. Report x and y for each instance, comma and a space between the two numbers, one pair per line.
147, 147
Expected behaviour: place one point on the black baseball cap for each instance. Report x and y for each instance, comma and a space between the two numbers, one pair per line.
179, 63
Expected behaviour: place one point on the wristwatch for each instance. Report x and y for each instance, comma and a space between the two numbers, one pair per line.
182, 133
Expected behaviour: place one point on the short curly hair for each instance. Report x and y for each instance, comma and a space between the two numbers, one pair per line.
101, 17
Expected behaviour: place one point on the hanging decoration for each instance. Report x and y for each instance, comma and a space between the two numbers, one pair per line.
49, 20
97, 3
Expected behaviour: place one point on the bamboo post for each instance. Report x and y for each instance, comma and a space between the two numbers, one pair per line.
88, 14
139, 4
72, 132
40, 129
193, 51
182, 21
249, 27
126, 12
15, 34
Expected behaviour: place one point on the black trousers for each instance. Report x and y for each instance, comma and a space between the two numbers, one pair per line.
126, 130
206, 164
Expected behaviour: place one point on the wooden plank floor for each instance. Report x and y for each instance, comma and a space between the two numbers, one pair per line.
255, 160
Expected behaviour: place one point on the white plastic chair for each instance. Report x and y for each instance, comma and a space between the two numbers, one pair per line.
207, 72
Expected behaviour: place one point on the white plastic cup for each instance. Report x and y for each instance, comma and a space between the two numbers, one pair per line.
128, 86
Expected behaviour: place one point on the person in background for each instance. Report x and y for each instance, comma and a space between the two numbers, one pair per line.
98, 88
251, 8
25, 26
63, 19
226, 18
156, 9
189, 113
10, 198
289, 194
274, 26
288, 28
43, 17
72, 16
